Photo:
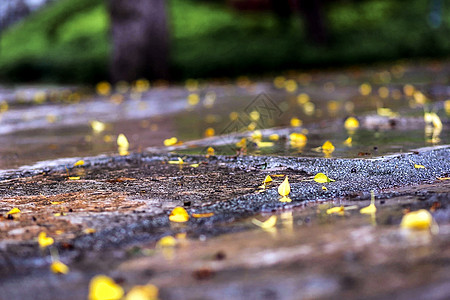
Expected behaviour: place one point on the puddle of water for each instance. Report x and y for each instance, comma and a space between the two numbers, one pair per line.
33, 130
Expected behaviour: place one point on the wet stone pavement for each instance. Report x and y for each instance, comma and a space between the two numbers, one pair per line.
109, 214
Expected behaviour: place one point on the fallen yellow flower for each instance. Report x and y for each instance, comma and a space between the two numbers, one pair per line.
419, 220
328, 147
203, 215
295, 122
170, 142
267, 179
284, 189
167, 241
264, 144
44, 240
274, 137
194, 165
13, 211
419, 166
242, 143
371, 208
143, 292
122, 141
285, 199
97, 126
79, 163
74, 177
322, 178
210, 151
335, 210
351, 123
348, 141
269, 223
179, 161
179, 214
102, 287
58, 267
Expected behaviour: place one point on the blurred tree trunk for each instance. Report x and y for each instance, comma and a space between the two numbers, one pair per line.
140, 39
314, 14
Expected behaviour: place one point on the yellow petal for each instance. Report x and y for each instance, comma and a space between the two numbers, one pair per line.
58, 267
371, 209
348, 141
269, 223
285, 199
203, 215
210, 151
193, 99
97, 126
179, 214
328, 146
179, 161
13, 211
194, 165
295, 122
170, 142
322, 178
89, 230
351, 123
443, 178
209, 132
419, 166
44, 240
274, 137
143, 292
122, 141
298, 137
267, 179
284, 189
264, 144
78, 163
102, 287
74, 178
242, 143
167, 241
256, 135
335, 210
324, 188
420, 219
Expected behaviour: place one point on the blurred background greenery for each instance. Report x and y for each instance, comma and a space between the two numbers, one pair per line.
68, 41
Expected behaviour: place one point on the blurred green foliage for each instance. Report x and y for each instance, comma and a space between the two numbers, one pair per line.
69, 41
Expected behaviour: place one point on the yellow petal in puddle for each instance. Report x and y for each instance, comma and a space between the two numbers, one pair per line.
194, 165
284, 189
97, 126
74, 177
443, 178
143, 292
170, 142
274, 137
324, 188
79, 163
336, 210
44, 240
179, 215
328, 147
269, 223
371, 209
89, 230
418, 220
122, 141
285, 199
179, 161
419, 166
322, 178
167, 241
209, 132
13, 211
58, 267
264, 144
295, 122
351, 123
242, 143
348, 141
103, 287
